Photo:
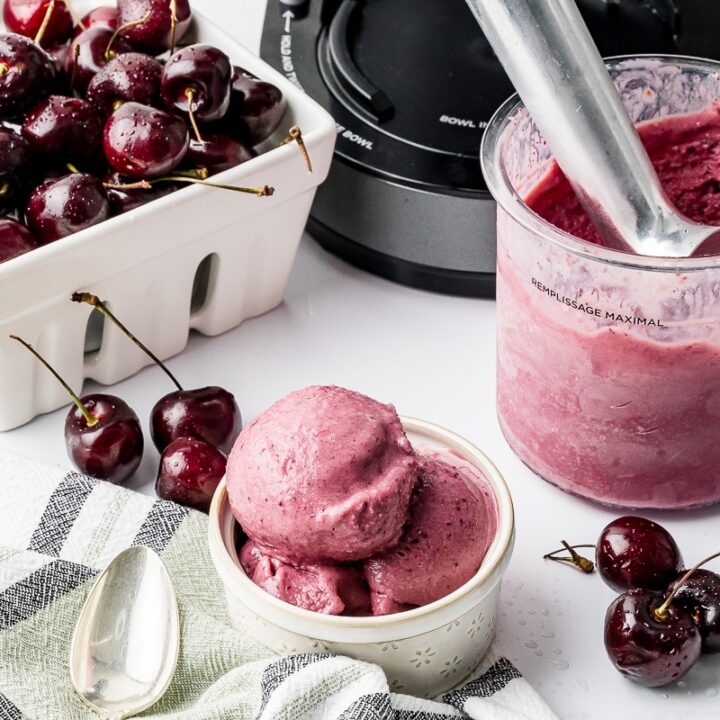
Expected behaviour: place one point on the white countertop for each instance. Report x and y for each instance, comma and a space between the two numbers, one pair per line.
433, 357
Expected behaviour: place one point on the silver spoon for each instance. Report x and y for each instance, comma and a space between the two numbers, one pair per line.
125, 645
551, 59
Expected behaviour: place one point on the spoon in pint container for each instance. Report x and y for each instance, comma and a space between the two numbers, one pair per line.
551, 59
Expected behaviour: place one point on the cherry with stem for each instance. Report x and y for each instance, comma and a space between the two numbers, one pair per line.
109, 54
209, 414
103, 436
661, 612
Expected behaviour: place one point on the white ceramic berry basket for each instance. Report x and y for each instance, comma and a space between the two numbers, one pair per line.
200, 258
425, 651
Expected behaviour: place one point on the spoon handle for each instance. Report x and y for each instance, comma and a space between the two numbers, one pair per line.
551, 59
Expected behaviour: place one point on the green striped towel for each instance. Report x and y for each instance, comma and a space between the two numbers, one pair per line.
58, 530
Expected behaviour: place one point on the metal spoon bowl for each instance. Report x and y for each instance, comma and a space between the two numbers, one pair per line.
126, 641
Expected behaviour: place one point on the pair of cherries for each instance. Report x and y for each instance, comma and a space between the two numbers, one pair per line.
665, 616
192, 429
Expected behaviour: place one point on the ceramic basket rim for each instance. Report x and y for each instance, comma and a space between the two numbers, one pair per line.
387, 627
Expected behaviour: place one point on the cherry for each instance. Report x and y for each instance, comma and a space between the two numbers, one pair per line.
256, 107
157, 31
123, 200
634, 552
27, 74
59, 55
196, 81
210, 413
110, 448
648, 646
143, 142
102, 434
15, 163
58, 208
15, 239
64, 128
130, 77
105, 15
700, 596
91, 51
216, 153
190, 471
26, 17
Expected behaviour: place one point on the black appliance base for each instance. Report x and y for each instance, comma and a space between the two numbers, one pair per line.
405, 272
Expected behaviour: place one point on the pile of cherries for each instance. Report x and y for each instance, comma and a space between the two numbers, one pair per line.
193, 430
666, 616
99, 117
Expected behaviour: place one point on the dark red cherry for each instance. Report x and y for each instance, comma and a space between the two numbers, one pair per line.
197, 79
110, 449
64, 128
123, 200
700, 596
15, 239
208, 413
143, 142
644, 648
130, 77
256, 108
25, 17
217, 153
105, 15
88, 54
190, 471
16, 159
59, 54
155, 34
58, 208
102, 434
634, 552
27, 74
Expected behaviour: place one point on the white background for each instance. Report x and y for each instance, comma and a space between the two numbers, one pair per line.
433, 357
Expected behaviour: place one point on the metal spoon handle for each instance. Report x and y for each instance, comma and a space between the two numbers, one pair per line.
551, 59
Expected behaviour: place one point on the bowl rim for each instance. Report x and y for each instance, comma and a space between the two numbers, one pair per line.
495, 558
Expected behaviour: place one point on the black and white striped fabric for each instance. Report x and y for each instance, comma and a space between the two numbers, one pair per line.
58, 530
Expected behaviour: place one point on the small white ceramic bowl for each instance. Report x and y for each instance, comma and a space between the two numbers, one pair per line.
424, 651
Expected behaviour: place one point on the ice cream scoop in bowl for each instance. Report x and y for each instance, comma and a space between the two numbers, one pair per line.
425, 650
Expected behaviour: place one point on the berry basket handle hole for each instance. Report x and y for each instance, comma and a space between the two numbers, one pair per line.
94, 333
204, 282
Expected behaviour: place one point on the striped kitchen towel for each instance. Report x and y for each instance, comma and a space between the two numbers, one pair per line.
58, 530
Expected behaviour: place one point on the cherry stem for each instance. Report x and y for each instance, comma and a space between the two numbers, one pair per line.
4, 69
190, 95
4, 188
46, 21
262, 191
72, 168
109, 55
661, 612
295, 135
89, 418
76, 55
98, 304
77, 20
173, 24
580, 562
